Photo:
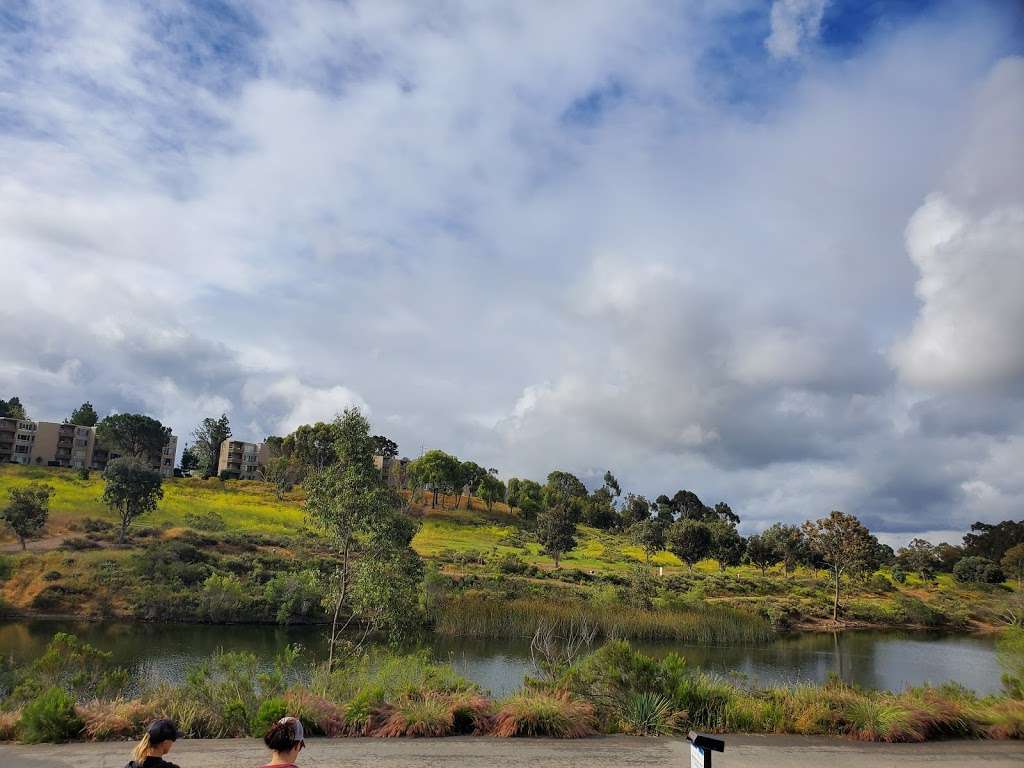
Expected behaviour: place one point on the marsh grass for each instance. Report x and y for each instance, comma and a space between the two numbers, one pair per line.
711, 624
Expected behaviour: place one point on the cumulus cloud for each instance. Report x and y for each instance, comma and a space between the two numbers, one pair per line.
793, 22
603, 251
967, 241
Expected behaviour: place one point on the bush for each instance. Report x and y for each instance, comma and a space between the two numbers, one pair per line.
223, 598
270, 711
206, 521
105, 720
9, 725
512, 564
50, 718
428, 716
978, 570
79, 543
558, 716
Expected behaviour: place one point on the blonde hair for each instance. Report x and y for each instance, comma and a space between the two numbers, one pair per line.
139, 753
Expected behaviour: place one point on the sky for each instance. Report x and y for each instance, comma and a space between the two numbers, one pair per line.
772, 252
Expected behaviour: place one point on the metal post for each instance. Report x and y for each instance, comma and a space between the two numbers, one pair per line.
701, 747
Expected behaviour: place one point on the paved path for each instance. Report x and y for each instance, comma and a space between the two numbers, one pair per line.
609, 752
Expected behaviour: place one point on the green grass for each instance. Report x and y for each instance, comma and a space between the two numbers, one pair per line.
244, 506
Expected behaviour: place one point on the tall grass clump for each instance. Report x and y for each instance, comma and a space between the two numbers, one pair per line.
713, 624
544, 714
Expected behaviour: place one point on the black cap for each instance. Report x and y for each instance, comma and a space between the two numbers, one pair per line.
163, 730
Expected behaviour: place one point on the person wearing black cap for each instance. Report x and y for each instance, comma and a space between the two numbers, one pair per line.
156, 742
285, 740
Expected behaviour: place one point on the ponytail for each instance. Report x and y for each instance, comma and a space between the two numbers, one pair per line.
139, 753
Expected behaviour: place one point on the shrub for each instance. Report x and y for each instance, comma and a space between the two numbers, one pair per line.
512, 564
9, 725
52, 575
429, 716
79, 543
978, 570
319, 716
556, 715
269, 712
206, 521
471, 713
103, 720
50, 718
73, 666
223, 598
649, 714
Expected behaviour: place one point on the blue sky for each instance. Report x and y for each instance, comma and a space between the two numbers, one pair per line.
767, 251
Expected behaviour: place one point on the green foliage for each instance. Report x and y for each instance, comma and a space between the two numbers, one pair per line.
649, 534
133, 435
641, 589
270, 711
131, 489
73, 666
490, 489
789, 543
205, 521
1010, 649
28, 510
553, 715
12, 409
207, 439
978, 570
843, 545
762, 553
556, 531
84, 415
689, 540
223, 599
50, 718
295, 596
1013, 563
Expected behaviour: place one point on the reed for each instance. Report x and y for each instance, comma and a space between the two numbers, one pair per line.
712, 624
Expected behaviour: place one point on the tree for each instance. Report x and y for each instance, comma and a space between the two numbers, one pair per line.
84, 415
689, 540
727, 546
525, 494
1013, 562
556, 531
469, 474
649, 535
978, 570
788, 542
844, 545
490, 489
918, 557
512, 494
209, 436
12, 409
189, 460
133, 435
312, 445
131, 489
612, 484
438, 471
383, 446
635, 510
598, 509
282, 472
28, 510
949, 555
564, 489
347, 500
992, 541
761, 553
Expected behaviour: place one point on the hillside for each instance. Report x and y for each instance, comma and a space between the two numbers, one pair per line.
240, 530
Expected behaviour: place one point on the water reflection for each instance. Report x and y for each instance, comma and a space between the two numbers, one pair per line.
891, 660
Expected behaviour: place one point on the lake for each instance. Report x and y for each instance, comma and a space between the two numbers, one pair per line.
873, 659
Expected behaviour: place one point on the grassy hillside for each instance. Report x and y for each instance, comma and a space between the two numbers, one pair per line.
241, 531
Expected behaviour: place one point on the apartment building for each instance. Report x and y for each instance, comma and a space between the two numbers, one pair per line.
16, 439
393, 470
242, 461
102, 455
52, 444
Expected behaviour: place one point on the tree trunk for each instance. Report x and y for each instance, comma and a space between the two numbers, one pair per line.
23, 547
124, 529
342, 594
835, 601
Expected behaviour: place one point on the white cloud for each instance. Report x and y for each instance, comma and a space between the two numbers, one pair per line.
967, 241
299, 403
793, 23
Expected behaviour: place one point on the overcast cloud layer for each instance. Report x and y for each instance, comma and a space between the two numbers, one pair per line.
773, 253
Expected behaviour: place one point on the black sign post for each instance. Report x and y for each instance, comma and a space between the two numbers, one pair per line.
701, 747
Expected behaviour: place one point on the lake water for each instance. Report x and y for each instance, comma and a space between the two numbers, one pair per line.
889, 660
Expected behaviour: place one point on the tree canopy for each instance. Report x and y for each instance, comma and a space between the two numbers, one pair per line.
84, 415
134, 435
208, 437
28, 510
13, 409
131, 489
844, 546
